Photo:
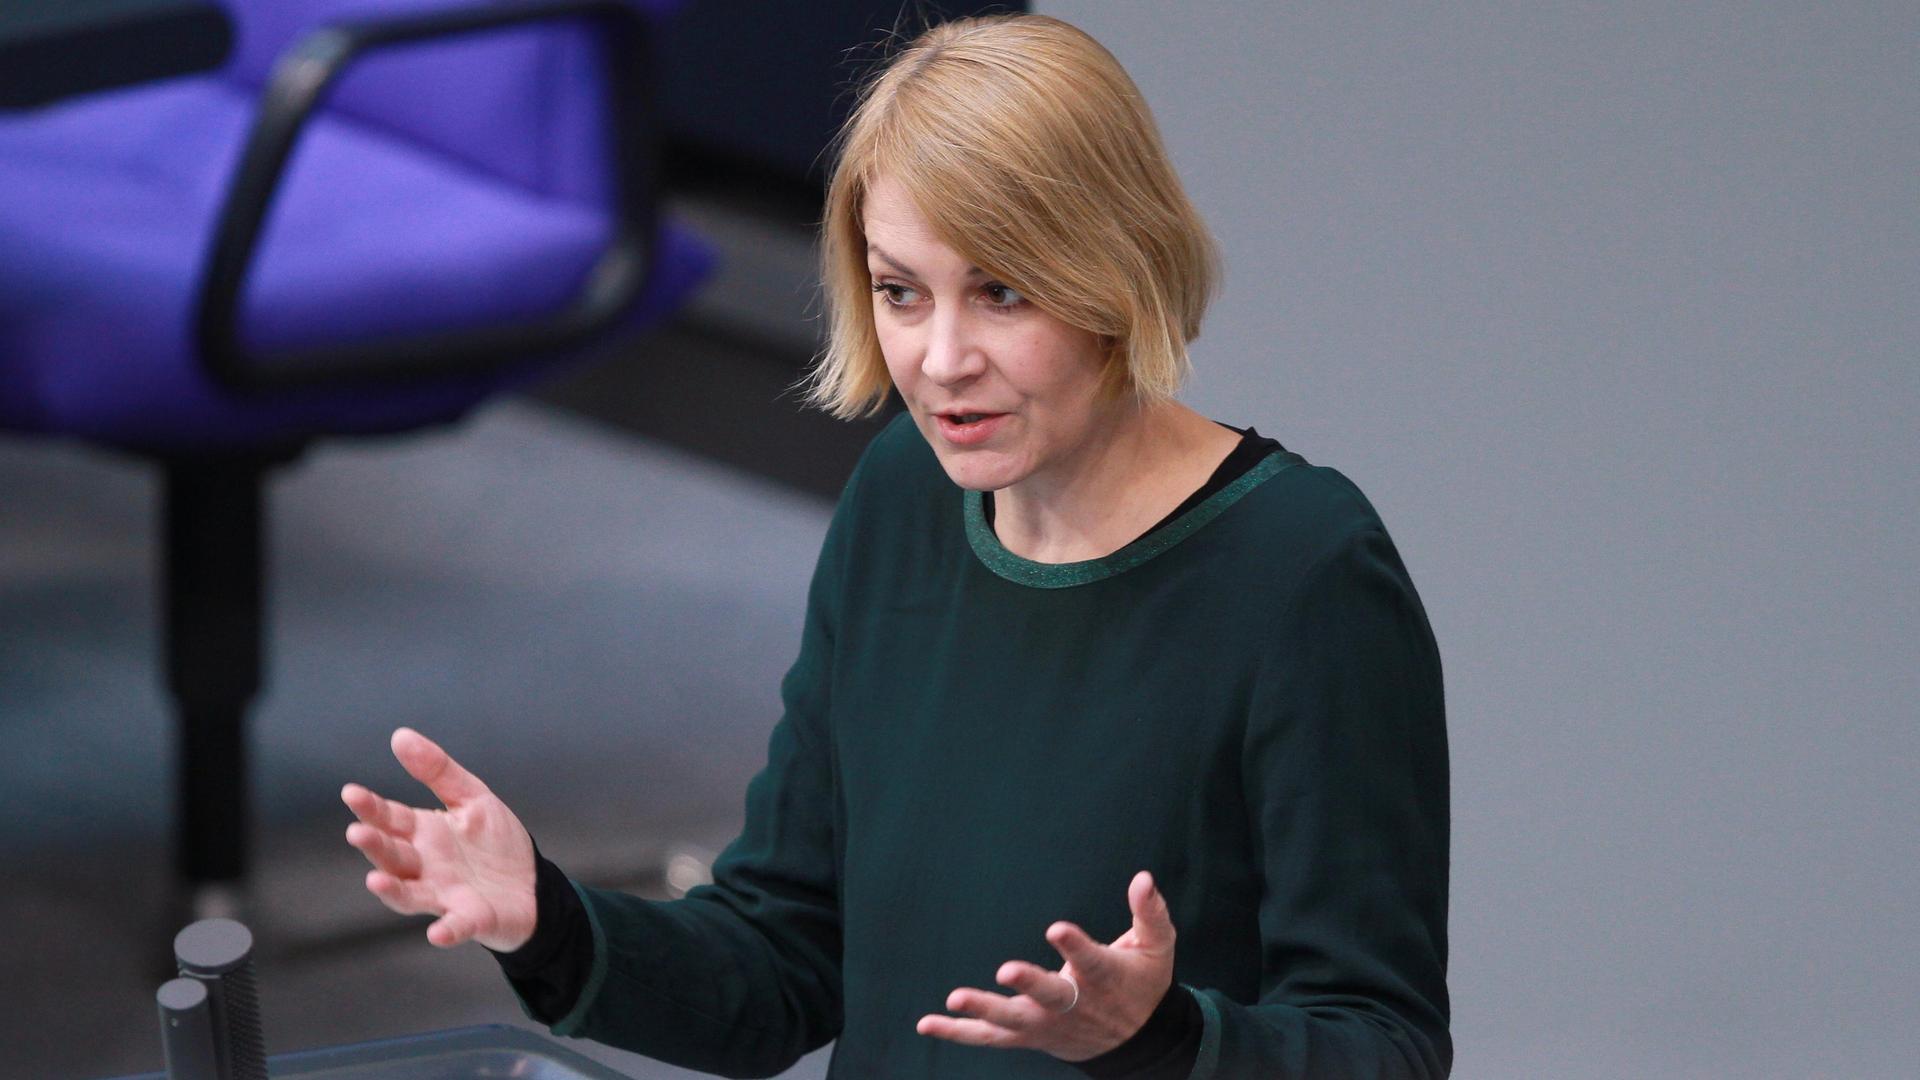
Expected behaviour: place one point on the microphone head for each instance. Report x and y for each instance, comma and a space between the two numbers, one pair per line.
212, 947
181, 995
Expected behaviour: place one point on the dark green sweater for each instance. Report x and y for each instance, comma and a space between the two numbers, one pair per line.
1246, 702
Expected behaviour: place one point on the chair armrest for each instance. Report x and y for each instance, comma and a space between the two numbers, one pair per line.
54, 49
301, 79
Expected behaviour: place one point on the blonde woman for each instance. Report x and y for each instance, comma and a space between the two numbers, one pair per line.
1115, 745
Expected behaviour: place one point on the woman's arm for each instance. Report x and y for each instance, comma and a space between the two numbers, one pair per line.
741, 977
1345, 770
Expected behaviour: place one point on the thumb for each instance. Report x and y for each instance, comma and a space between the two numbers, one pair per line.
1152, 921
452, 929
426, 762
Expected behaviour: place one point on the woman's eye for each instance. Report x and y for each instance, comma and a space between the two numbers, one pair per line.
897, 295
1001, 296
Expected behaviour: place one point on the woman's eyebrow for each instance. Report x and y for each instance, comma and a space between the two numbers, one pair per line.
897, 267
892, 264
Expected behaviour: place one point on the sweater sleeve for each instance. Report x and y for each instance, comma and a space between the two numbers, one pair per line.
550, 970
1345, 773
742, 976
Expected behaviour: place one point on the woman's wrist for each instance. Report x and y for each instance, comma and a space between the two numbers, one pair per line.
553, 895
550, 971
1165, 1046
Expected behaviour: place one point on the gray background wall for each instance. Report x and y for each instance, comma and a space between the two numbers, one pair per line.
1610, 308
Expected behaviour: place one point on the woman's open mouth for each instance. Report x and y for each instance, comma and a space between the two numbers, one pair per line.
968, 429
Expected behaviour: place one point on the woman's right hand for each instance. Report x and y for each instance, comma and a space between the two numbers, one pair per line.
471, 864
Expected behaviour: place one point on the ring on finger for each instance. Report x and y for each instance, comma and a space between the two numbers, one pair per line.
1076, 993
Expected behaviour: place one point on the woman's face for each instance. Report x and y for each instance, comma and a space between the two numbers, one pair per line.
1003, 391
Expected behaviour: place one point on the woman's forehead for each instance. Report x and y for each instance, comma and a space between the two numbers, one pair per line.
897, 232
886, 204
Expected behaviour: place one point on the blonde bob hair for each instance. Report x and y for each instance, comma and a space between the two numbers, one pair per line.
1030, 152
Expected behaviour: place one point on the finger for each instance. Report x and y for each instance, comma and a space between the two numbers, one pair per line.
402, 897
381, 813
426, 762
384, 851
967, 1032
452, 929
1152, 922
1088, 957
1014, 1014
1050, 989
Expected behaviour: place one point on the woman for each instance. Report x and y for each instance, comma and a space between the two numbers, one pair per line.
1131, 714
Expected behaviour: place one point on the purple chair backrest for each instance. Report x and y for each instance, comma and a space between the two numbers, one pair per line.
523, 104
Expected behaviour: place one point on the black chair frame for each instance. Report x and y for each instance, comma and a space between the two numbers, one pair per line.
213, 563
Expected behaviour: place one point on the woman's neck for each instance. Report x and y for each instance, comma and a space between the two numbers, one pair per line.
1151, 459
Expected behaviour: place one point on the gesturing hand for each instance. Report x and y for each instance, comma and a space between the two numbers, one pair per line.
471, 864
1099, 999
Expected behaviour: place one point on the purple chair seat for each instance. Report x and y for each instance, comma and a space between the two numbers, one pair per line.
107, 209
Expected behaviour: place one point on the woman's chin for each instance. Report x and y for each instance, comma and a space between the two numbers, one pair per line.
974, 481
976, 471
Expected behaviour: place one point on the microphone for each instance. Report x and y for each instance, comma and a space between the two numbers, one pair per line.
210, 1016
186, 1030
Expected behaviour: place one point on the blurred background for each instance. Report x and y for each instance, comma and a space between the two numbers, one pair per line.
1610, 310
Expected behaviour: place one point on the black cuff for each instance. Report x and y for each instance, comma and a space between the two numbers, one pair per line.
551, 969
1164, 1048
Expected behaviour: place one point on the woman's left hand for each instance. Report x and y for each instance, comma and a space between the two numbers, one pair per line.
1099, 999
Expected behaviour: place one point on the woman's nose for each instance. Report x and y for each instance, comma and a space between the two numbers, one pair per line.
952, 354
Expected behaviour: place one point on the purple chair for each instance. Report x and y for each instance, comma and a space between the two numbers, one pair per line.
378, 215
